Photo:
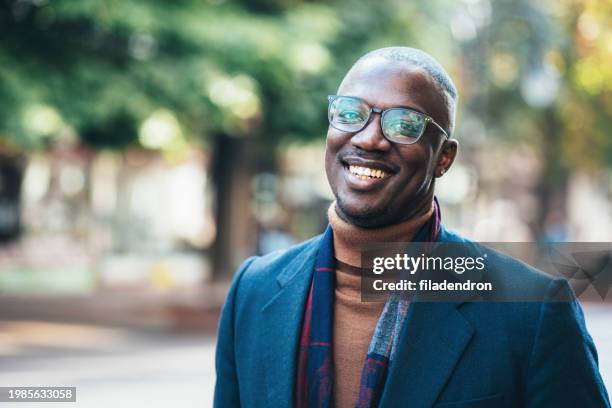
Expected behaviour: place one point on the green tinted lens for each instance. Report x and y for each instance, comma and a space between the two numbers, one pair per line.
403, 125
348, 114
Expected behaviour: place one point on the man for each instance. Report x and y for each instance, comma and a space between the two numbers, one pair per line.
294, 332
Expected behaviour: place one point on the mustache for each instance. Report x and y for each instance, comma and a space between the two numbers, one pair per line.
381, 157
360, 157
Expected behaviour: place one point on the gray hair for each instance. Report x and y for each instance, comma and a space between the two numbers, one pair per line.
418, 58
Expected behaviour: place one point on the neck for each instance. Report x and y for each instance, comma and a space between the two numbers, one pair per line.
350, 240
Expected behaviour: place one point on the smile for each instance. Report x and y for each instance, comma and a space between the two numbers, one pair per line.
362, 178
365, 173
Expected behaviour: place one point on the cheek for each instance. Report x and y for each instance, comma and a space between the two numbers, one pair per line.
329, 164
418, 160
335, 140
332, 146
418, 171
333, 143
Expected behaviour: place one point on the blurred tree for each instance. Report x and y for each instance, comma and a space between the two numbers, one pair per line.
513, 87
11, 173
240, 76
585, 108
547, 84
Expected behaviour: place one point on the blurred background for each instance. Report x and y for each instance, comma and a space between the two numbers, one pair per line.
148, 147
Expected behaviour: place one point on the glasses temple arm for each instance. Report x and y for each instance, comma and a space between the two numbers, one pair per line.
440, 127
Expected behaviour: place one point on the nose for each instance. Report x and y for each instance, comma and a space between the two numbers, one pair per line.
371, 137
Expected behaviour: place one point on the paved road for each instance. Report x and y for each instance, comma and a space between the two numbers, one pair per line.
122, 368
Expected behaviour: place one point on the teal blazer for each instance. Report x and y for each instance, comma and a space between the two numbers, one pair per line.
452, 354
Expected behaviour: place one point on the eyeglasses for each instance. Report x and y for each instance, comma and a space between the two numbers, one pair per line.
399, 125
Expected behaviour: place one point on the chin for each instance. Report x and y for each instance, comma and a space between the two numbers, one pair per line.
361, 215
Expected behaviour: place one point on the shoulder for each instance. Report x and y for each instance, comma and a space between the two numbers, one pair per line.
513, 279
259, 274
523, 298
274, 262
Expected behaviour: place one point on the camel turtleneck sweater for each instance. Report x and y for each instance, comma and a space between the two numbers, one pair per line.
354, 321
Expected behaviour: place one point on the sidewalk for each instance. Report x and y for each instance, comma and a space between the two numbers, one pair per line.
151, 366
599, 323
193, 311
110, 367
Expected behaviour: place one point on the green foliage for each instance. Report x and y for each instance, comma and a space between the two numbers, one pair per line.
115, 132
262, 69
247, 69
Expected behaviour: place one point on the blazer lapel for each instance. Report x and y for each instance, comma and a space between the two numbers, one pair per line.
433, 339
281, 326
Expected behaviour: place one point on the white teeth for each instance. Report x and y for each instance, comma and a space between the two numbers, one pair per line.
365, 172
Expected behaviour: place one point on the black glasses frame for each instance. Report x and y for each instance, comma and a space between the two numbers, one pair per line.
382, 112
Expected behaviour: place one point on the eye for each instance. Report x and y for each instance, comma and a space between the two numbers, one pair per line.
350, 116
404, 127
403, 123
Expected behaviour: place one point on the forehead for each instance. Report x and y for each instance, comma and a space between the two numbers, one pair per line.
386, 84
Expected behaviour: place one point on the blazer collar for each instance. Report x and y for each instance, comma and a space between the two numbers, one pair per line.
302, 261
432, 340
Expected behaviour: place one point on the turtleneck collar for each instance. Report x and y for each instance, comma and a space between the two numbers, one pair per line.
349, 240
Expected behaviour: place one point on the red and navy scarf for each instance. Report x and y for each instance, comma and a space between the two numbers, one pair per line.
314, 384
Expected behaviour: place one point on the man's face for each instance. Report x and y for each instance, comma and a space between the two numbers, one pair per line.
407, 186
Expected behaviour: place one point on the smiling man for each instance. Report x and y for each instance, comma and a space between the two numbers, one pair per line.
294, 331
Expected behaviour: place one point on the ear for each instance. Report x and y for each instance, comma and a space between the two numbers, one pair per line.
446, 156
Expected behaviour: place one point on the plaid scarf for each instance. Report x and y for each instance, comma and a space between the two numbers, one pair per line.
315, 366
